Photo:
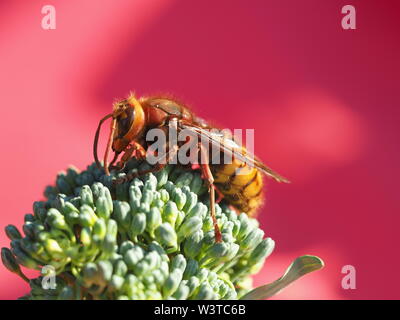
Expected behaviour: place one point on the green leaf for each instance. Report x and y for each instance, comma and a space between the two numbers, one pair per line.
300, 267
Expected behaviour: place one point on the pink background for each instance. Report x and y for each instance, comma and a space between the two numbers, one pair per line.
324, 103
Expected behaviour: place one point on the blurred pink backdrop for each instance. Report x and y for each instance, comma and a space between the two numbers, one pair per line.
324, 103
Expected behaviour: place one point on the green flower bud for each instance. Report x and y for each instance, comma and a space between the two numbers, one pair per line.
125, 246
215, 252
227, 227
208, 224
116, 282
164, 268
191, 269
158, 203
170, 213
146, 200
169, 187
262, 251
189, 226
150, 182
69, 207
135, 196
87, 217
97, 189
208, 239
29, 218
245, 226
223, 289
182, 292
112, 228
191, 200
138, 225
172, 283
105, 270
167, 237
86, 196
158, 278
164, 195
152, 260
21, 257
252, 239
54, 249
84, 178
153, 218
193, 244
50, 192
202, 274
131, 285
76, 201
39, 210
109, 199
148, 281
199, 210
99, 229
9, 261
236, 228
42, 236
179, 198
56, 220
193, 283
196, 185
72, 174
34, 249
12, 232
179, 219
108, 245
63, 186
120, 268
231, 215
103, 208
122, 214
85, 237
178, 262
133, 256
184, 179
212, 279
122, 191
154, 246
205, 292
232, 252
162, 177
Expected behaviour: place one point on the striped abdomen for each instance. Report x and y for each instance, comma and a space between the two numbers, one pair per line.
240, 184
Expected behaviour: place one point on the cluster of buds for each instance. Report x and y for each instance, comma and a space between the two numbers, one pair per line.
148, 238
139, 274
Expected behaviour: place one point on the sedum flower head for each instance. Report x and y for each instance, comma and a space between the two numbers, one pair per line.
149, 238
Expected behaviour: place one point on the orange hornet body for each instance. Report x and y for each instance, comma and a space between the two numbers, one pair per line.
238, 181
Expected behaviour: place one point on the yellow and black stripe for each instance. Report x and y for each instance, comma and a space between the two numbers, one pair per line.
240, 184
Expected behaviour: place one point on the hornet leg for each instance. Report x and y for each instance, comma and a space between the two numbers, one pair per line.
157, 167
134, 149
207, 175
